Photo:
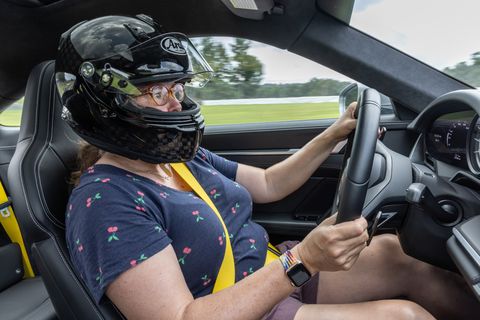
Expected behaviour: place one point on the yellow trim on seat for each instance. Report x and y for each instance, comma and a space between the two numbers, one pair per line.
272, 254
10, 224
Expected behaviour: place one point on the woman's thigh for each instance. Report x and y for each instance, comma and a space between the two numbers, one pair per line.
374, 310
381, 272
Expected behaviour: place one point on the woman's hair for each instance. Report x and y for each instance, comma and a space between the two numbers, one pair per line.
86, 157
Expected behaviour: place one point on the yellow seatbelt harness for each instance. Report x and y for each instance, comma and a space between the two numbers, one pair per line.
226, 274
10, 224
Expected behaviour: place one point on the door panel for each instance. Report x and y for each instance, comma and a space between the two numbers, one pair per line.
263, 145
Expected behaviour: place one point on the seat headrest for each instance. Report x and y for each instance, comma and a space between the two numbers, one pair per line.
45, 154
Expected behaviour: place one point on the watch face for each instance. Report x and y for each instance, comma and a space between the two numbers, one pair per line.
298, 274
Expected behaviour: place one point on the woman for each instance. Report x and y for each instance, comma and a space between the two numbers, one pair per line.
139, 233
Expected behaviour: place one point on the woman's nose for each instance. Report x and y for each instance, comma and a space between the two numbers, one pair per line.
173, 104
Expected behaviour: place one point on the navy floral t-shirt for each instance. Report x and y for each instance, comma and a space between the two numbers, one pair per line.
116, 219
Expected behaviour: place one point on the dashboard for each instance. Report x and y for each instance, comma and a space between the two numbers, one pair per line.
446, 170
454, 138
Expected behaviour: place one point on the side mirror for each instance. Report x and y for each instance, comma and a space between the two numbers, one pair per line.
348, 95
352, 92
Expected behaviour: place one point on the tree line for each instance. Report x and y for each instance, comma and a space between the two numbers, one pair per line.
468, 72
239, 75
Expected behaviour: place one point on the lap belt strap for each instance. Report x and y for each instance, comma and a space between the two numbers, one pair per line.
226, 274
10, 224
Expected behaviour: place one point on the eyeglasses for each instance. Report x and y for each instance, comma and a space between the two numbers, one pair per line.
160, 94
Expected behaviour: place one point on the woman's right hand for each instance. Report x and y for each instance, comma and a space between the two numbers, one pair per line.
333, 247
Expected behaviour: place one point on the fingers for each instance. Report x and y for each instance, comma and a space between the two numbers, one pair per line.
343, 254
351, 109
330, 220
353, 257
335, 247
356, 241
352, 249
350, 229
352, 105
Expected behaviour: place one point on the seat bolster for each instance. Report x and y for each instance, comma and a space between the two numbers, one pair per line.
38, 177
64, 287
27, 299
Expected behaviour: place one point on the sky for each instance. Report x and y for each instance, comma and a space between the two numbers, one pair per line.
281, 66
440, 33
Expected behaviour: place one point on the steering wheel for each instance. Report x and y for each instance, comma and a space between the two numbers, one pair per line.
354, 182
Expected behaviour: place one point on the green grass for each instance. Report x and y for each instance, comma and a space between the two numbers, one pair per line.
237, 114
255, 113
11, 117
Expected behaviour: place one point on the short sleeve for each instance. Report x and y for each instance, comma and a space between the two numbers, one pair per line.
110, 230
226, 167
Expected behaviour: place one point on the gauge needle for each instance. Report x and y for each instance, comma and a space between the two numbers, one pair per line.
476, 139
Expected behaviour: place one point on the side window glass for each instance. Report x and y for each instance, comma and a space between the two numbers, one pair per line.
12, 116
255, 82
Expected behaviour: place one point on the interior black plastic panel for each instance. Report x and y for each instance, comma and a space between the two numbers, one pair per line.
263, 145
38, 29
464, 248
11, 268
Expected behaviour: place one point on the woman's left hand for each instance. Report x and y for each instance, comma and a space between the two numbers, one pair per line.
340, 129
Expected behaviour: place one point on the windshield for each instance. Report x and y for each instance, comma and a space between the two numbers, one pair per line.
442, 34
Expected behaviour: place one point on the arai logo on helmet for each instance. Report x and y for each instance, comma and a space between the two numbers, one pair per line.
172, 45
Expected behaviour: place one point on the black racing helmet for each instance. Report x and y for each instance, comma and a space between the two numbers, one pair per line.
105, 63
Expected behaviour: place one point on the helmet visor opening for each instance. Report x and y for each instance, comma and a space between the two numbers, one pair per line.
162, 96
164, 58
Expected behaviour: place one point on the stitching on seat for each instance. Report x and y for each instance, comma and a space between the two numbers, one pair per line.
42, 152
29, 210
49, 138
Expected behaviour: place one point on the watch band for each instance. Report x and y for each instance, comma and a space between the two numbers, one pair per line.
288, 260
294, 269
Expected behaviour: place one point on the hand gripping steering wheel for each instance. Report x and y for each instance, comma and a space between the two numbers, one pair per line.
354, 182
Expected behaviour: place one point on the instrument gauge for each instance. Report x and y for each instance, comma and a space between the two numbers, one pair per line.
448, 138
474, 146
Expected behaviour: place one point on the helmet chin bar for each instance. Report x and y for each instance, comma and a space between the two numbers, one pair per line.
162, 146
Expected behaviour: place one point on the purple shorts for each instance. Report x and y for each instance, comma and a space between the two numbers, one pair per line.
307, 294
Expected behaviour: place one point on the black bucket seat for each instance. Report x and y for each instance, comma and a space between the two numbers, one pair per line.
38, 178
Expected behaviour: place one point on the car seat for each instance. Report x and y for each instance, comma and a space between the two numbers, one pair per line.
38, 177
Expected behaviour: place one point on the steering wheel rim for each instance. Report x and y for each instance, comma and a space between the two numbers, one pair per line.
354, 182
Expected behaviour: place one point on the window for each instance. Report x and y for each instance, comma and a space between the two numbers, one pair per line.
440, 33
12, 116
255, 82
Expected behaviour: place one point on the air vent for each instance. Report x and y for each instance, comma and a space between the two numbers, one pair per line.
466, 180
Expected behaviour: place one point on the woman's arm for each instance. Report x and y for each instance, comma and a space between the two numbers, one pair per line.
281, 179
156, 288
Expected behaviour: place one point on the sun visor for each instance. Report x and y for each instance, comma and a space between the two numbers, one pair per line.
252, 9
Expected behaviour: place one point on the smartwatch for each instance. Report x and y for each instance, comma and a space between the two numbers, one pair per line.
294, 269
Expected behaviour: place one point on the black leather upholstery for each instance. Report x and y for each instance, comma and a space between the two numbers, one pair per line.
27, 299
38, 178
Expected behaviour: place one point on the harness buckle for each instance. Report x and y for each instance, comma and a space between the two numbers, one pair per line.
4, 212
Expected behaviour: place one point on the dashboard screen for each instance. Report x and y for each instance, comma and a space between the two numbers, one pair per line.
447, 138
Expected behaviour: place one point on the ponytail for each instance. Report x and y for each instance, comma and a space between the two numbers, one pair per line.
86, 157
